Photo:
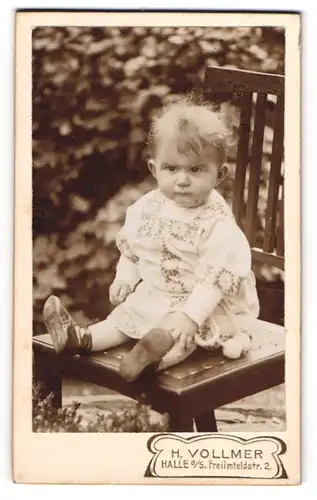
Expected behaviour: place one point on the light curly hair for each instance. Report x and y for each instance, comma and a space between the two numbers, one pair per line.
193, 129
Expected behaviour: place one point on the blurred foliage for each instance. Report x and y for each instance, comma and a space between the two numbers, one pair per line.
95, 91
134, 417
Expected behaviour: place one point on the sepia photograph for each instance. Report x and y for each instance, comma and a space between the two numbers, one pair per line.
113, 110
158, 270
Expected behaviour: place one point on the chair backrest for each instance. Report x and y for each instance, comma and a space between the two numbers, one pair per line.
260, 99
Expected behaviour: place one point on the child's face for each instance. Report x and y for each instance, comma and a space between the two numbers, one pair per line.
185, 181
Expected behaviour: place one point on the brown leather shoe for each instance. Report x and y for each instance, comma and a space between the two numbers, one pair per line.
149, 350
67, 336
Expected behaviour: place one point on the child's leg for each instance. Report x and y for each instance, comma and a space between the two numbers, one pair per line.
105, 335
147, 351
69, 337
177, 354
158, 347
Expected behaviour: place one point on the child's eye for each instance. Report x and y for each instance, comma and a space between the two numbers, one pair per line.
170, 168
195, 169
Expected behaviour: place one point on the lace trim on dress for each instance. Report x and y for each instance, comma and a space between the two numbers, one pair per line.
223, 279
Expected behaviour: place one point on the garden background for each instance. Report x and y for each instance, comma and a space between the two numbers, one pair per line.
94, 93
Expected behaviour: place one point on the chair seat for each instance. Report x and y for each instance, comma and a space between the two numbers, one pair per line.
204, 381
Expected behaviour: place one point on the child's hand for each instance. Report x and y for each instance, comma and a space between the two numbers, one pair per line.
118, 292
181, 327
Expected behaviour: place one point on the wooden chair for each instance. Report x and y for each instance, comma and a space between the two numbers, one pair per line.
205, 381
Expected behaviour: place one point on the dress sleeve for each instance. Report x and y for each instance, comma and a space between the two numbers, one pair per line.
127, 267
224, 263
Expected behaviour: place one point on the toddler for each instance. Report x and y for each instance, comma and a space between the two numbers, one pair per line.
184, 275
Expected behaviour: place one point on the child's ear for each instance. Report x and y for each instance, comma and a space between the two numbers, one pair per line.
151, 167
222, 174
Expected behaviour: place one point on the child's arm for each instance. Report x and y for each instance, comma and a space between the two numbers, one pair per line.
225, 259
224, 263
125, 280
127, 273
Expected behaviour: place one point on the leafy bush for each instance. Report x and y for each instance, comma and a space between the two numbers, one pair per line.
133, 418
94, 93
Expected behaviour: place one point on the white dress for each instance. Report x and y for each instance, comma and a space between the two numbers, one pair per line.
194, 260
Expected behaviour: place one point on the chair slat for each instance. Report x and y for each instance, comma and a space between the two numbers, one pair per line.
267, 258
280, 230
238, 87
233, 80
255, 167
275, 177
242, 156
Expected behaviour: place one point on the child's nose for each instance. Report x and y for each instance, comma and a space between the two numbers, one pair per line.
183, 179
